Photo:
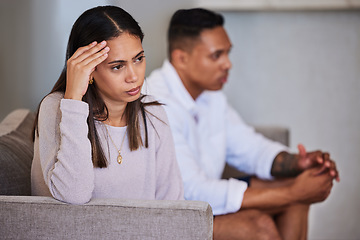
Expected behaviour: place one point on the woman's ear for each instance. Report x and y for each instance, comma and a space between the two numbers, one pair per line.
93, 72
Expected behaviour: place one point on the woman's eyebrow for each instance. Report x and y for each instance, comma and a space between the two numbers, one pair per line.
123, 61
117, 61
137, 55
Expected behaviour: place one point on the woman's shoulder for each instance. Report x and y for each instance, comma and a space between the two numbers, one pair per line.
56, 100
52, 100
49, 108
154, 110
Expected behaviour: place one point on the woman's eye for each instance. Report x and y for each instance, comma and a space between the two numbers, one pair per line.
139, 59
117, 67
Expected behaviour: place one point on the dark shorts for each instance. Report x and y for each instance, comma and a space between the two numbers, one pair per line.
245, 179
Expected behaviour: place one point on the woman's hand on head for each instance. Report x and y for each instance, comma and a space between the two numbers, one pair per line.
80, 67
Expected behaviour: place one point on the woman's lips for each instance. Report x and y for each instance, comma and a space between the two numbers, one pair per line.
134, 91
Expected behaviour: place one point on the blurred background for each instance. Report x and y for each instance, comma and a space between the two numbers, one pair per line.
294, 68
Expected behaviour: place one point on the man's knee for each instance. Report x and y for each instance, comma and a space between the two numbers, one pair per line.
245, 224
299, 209
265, 227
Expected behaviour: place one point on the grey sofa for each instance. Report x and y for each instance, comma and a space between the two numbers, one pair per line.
31, 217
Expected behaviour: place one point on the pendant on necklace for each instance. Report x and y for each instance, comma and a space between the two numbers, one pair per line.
119, 158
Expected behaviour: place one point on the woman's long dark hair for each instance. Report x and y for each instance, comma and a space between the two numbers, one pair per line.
98, 24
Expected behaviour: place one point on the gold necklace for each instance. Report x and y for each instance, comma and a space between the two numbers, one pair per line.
119, 157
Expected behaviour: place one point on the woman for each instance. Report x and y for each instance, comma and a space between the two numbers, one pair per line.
96, 136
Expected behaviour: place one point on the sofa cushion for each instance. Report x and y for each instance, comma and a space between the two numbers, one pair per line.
16, 152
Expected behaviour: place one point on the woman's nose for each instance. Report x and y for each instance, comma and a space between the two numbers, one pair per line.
131, 75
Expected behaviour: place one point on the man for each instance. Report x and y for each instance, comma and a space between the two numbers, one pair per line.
208, 132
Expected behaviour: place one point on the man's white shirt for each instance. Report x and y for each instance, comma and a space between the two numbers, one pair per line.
207, 133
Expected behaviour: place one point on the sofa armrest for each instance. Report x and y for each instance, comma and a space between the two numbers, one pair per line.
33, 217
278, 134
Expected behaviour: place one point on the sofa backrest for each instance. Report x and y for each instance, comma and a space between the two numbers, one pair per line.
16, 152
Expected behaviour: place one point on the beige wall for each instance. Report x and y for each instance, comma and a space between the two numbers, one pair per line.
296, 69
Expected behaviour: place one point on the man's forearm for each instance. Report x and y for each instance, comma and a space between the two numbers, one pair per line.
265, 199
285, 165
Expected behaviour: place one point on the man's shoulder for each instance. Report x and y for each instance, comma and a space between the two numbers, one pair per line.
155, 84
213, 99
170, 110
159, 84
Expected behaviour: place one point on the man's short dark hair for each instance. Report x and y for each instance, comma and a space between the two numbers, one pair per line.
186, 26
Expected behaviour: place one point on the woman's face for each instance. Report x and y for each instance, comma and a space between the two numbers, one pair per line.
120, 77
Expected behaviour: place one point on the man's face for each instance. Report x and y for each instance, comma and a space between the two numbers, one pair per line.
208, 63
